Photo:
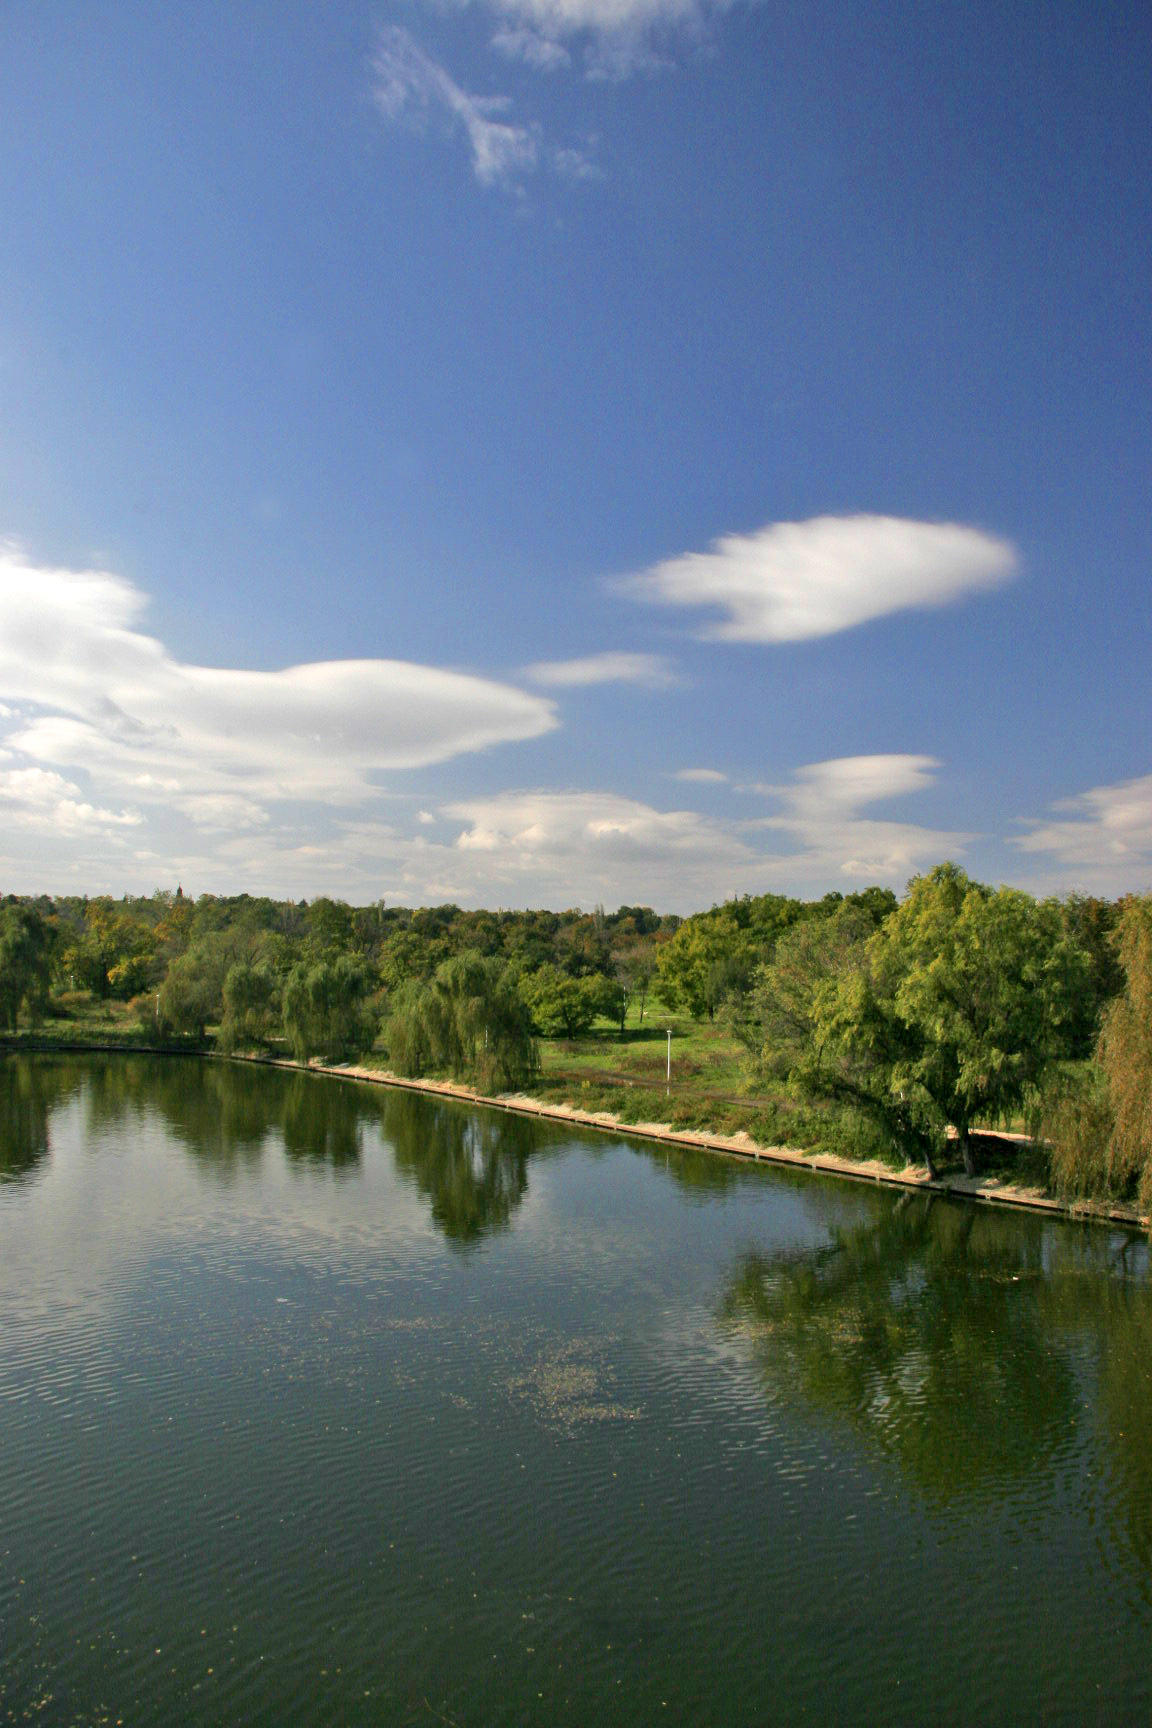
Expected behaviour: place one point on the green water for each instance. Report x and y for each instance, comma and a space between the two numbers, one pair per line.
320, 1403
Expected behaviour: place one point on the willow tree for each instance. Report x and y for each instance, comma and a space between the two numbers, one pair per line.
25, 955
326, 1010
468, 1021
1100, 1123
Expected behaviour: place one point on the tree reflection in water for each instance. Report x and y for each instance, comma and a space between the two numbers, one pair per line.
322, 1124
925, 1329
975, 1348
471, 1165
31, 1088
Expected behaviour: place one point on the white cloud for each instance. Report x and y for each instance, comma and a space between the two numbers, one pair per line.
821, 814
572, 164
566, 848
411, 87
545, 54
1100, 840
42, 802
569, 848
792, 581
106, 699
616, 37
705, 776
609, 668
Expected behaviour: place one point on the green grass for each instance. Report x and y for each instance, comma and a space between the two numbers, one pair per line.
710, 1092
80, 1018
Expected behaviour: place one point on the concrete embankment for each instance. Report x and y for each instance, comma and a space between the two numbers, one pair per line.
914, 1177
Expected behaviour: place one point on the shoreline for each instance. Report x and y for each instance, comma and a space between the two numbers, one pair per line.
912, 1178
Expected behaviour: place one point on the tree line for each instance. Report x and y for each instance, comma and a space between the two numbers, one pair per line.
955, 1007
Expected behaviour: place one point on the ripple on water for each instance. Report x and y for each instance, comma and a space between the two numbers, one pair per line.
288, 1452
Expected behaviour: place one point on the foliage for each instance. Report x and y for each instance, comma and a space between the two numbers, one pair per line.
1100, 1123
250, 1003
1092, 925
984, 984
190, 996
1076, 1119
713, 957
1125, 1049
112, 956
25, 963
561, 1005
955, 1008
326, 1010
468, 1021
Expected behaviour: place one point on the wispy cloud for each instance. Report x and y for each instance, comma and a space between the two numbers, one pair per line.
650, 670
614, 38
410, 88
1100, 840
701, 776
541, 52
821, 813
792, 581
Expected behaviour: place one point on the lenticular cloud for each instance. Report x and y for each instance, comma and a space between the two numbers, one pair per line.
99, 694
792, 581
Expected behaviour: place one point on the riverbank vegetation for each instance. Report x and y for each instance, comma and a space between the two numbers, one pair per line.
861, 1024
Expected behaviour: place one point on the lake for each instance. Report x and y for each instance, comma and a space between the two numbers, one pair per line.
323, 1402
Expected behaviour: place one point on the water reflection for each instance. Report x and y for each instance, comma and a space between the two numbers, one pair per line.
31, 1087
976, 1349
925, 1328
471, 1166
225, 1115
1100, 1289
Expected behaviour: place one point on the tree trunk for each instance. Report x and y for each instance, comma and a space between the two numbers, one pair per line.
966, 1149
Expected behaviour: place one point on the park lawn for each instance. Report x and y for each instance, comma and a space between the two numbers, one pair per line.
705, 1056
626, 1073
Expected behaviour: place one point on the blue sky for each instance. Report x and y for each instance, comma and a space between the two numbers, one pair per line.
558, 451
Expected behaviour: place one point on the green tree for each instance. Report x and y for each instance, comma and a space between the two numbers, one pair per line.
191, 996
25, 963
250, 1007
983, 984
635, 963
326, 1010
713, 956
112, 952
1099, 1121
954, 1010
563, 1006
694, 969
468, 1021
1125, 1049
